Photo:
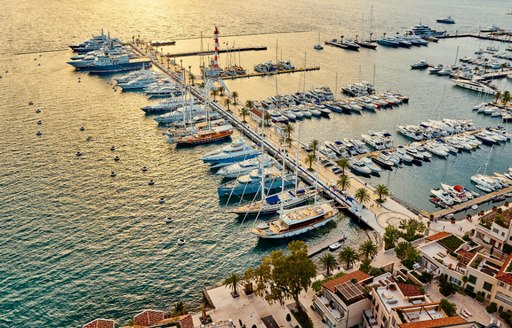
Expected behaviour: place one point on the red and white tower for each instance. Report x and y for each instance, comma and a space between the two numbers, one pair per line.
213, 72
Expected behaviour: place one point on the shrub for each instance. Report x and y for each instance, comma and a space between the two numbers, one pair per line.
449, 308
479, 297
491, 308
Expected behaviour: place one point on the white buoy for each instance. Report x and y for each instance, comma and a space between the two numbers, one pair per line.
168, 220
181, 241
161, 200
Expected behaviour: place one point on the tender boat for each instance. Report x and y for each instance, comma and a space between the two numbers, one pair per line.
447, 20
422, 64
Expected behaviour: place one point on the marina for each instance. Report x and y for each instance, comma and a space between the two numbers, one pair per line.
93, 223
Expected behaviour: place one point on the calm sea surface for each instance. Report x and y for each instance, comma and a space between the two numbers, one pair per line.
77, 244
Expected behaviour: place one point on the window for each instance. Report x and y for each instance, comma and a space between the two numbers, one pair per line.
487, 286
472, 279
501, 284
470, 288
495, 230
502, 234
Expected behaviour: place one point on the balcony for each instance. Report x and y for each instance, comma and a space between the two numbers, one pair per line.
504, 298
369, 319
323, 306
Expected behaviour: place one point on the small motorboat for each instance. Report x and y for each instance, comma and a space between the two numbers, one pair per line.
113, 148
39, 122
116, 158
112, 174
168, 220
151, 182
82, 128
144, 169
39, 133
334, 246
422, 64
38, 110
161, 200
181, 241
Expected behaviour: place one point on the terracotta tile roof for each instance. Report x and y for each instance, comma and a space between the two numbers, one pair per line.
504, 276
441, 322
358, 275
100, 323
439, 235
409, 290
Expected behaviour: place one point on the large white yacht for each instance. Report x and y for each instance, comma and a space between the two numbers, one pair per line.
237, 151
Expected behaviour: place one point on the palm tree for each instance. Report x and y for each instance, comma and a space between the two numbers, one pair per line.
381, 190
267, 117
310, 160
343, 182
221, 91
343, 164
348, 255
328, 262
179, 309
227, 102
233, 281
288, 130
191, 78
249, 104
244, 111
503, 66
362, 195
215, 93
234, 94
314, 145
505, 98
368, 249
497, 96
476, 70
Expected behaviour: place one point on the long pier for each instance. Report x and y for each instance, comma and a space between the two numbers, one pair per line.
475, 201
505, 38
324, 178
210, 52
284, 71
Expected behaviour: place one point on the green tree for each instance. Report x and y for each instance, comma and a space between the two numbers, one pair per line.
407, 253
267, 117
381, 191
249, 104
244, 112
362, 195
449, 308
343, 182
179, 309
285, 276
365, 266
348, 255
234, 94
214, 93
368, 249
391, 235
412, 227
497, 96
328, 262
288, 130
505, 98
343, 164
310, 159
221, 91
314, 145
233, 281
227, 102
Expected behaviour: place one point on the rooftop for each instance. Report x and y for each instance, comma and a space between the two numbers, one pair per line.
440, 254
350, 292
357, 275
392, 297
409, 290
439, 235
505, 273
431, 323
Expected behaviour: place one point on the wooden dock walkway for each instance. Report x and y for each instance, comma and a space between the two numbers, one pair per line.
210, 52
284, 71
499, 38
475, 201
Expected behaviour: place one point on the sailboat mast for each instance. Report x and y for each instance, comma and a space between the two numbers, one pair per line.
316, 182
282, 182
456, 56
262, 154
304, 82
297, 159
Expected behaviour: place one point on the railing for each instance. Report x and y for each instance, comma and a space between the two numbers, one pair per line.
504, 298
327, 311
